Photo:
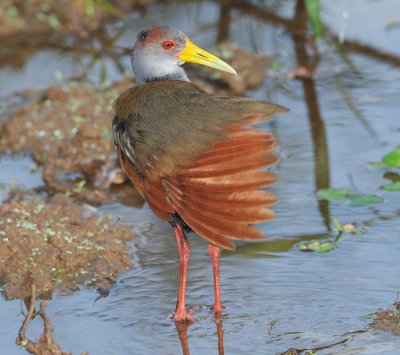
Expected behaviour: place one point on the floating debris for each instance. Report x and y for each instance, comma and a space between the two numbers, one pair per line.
388, 320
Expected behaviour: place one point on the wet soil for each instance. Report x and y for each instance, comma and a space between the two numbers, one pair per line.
67, 130
28, 26
75, 17
53, 244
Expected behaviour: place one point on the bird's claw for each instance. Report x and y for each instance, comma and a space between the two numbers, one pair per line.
184, 316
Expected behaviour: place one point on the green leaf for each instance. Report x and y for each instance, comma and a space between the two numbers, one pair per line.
364, 200
337, 225
313, 11
317, 246
393, 158
332, 194
392, 187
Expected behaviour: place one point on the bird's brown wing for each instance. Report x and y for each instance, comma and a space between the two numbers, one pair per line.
219, 197
191, 154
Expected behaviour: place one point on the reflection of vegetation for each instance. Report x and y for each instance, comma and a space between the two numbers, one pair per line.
46, 343
271, 248
317, 125
314, 351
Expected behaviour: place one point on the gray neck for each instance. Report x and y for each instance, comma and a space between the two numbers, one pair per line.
146, 72
173, 76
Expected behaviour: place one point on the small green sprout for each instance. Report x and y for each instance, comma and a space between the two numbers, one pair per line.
79, 187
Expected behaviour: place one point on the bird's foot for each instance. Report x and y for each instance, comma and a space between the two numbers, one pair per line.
217, 310
184, 316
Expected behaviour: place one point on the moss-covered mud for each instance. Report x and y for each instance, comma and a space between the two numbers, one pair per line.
68, 131
73, 17
52, 244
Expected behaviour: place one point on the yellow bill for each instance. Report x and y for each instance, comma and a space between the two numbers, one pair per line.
195, 54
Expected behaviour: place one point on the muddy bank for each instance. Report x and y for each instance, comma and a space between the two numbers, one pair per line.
67, 17
29, 26
67, 130
53, 244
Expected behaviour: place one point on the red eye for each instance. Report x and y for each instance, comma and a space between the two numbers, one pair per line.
168, 44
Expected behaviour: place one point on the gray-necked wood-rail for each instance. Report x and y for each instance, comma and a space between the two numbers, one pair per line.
191, 155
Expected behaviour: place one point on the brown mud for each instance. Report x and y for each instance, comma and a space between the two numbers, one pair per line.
52, 244
68, 131
73, 17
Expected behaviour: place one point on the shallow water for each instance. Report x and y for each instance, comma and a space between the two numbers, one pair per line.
276, 297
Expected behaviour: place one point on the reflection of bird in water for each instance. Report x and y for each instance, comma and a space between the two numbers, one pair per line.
190, 154
182, 328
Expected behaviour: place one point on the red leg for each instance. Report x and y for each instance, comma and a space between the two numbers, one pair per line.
181, 314
215, 253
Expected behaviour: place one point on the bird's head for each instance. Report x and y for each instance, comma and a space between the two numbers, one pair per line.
159, 53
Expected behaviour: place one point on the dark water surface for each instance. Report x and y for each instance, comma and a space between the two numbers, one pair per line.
275, 296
